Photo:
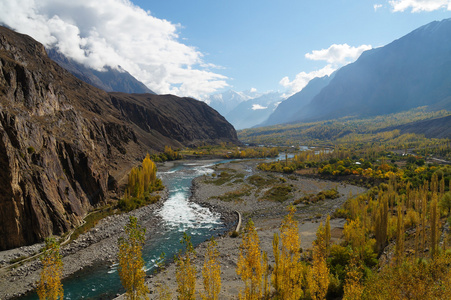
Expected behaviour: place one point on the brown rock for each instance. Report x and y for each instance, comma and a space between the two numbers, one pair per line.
64, 144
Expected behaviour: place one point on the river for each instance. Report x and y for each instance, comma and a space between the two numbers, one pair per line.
177, 216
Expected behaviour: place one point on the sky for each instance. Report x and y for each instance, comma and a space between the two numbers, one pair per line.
200, 47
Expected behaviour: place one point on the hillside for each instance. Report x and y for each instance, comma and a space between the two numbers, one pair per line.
64, 144
289, 110
439, 128
410, 72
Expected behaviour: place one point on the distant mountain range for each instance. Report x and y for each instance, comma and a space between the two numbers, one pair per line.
109, 80
412, 71
245, 109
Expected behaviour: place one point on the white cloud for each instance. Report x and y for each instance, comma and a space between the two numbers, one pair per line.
258, 106
303, 78
116, 32
377, 6
338, 54
420, 5
253, 90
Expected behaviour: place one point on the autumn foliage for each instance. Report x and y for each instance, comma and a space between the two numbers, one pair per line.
131, 263
49, 285
251, 267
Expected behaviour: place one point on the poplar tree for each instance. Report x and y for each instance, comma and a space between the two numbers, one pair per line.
49, 285
434, 223
186, 271
328, 235
318, 273
287, 274
211, 273
400, 235
131, 263
250, 264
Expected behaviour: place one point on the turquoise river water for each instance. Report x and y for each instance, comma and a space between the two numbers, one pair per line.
178, 215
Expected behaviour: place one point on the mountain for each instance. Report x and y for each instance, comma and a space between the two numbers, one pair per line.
439, 128
412, 71
289, 110
65, 145
225, 102
253, 111
109, 80
244, 109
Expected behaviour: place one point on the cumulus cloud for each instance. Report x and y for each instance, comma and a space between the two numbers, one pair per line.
303, 78
420, 5
377, 6
116, 33
338, 54
258, 106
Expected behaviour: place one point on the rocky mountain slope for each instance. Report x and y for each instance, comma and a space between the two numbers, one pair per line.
65, 144
439, 128
412, 71
109, 80
289, 110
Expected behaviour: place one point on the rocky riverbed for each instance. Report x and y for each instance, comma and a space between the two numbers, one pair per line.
99, 245
267, 216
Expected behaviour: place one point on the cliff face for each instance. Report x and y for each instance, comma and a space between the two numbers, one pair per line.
64, 144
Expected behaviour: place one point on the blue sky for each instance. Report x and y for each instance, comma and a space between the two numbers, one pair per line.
195, 48
260, 42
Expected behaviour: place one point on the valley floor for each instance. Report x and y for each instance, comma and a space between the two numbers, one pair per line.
267, 216
99, 245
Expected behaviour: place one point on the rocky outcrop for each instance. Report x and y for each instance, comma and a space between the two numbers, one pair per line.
65, 144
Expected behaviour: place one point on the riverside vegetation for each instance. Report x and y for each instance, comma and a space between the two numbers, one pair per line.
394, 242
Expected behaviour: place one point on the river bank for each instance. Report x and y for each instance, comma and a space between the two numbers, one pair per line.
266, 215
96, 247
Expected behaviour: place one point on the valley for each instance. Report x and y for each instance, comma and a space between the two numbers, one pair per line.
173, 185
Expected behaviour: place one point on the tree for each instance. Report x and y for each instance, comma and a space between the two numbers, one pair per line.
400, 235
318, 273
49, 285
287, 274
211, 273
328, 235
250, 264
186, 271
445, 202
353, 289
131, 263
434, 219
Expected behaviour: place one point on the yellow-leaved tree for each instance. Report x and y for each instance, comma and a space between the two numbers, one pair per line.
318, 273
251, 266
186, 271
211, 273
131, 263
287, 274
49, 285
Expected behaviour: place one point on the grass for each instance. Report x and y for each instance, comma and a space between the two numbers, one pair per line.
235, 195
226, 175
311, 198
17, 259
91, 220
259, 181
278, 193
